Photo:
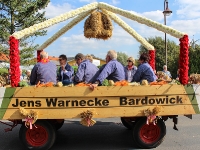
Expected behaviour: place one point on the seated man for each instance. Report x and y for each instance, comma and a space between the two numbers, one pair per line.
144, 71
65, 71
86, 70
166, 71
44, 71
113, 70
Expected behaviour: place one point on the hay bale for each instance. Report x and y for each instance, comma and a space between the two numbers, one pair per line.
98, 25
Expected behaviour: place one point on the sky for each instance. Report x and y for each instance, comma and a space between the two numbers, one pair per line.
185, 17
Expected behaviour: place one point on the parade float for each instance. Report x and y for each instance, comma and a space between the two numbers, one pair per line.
144, 108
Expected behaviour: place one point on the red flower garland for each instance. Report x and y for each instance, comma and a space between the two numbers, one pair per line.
14, 61
152, 58
184, 59
38, 55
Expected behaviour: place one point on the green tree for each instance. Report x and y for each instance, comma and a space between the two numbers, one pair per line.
16, 15
194, 61
122, 58
172, 51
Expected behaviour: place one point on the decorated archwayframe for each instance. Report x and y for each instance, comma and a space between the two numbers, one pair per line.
111, 11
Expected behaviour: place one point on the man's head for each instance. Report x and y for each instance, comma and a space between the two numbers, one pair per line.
111, 55
28, 72
62, 59
143, 58
165, 67
44, 55
89, 57
79, 58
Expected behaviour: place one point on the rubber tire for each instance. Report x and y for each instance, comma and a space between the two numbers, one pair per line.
50, 130
127, 124
141, 143
58, 125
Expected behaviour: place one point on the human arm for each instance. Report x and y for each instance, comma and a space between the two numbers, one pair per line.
80, 73
68, 71
137, 75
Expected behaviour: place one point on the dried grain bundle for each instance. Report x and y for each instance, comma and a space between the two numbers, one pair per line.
194, 78
98, 26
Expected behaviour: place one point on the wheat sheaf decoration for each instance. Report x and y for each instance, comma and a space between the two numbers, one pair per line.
98, 25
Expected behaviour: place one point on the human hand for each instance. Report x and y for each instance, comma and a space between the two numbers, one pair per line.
93, 86
63, 67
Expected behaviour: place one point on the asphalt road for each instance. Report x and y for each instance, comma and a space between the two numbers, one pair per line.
110, 134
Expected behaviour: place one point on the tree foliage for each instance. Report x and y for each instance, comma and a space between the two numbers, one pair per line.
194, 62
16, 15
122, 58
172, 51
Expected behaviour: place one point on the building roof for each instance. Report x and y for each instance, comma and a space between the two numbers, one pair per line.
4, 57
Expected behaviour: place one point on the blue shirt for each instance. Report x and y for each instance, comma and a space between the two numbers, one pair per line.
67, 75
144, 72
113, 70
86, 70
43, 72
133, 71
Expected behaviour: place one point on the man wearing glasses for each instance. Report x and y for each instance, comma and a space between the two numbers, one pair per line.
65, 71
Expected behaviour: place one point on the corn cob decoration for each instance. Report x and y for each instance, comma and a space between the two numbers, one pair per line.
30, 118
151, 115
87, 118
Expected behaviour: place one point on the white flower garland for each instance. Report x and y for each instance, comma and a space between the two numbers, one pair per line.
55, 20
64, 29
142, 20
131, 31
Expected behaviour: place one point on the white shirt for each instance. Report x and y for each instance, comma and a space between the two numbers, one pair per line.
63, 72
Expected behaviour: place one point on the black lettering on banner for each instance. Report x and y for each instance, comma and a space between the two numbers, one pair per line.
144, 101
172, 100
105, 102
166, 99
38, 103
67, 103
22, 103
97, 102
74, 102
61, 103
82, 103
179, 100
151, 101
90, 104
30, 103
137, 101
123, 101
160, 100
16, 103
51, 101
131, 102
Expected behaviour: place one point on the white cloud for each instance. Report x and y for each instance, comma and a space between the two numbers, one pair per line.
188, 26
115, 2
53, 10
87, 1
189, 8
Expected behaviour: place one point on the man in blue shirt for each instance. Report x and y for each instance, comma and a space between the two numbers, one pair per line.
86, 70
44, 71
166, 71
65, 71
144, 71
113, 70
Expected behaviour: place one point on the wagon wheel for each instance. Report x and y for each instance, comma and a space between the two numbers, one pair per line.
127, 122
41, 137
149, 136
